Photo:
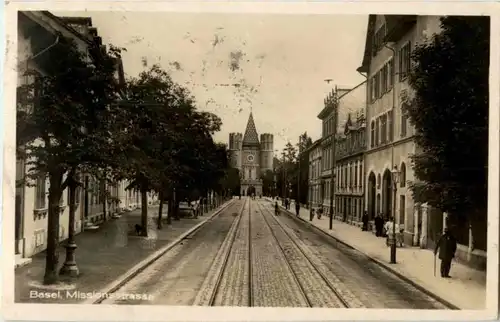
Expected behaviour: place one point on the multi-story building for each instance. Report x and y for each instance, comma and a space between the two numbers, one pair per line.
389, 42
327, 116
251, 157
315, 193
349, 157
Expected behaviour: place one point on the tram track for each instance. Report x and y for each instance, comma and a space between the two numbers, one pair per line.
311, 279
164, 279
212, 292
371, 283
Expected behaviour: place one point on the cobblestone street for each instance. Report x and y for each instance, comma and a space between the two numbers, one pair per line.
247, 256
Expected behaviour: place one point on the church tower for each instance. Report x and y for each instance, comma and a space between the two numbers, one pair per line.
251, 156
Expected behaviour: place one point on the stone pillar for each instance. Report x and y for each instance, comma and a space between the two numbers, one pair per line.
471, 244
423, 235
416, 231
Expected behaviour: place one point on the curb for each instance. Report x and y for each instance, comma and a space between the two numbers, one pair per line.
142, 265
378, 262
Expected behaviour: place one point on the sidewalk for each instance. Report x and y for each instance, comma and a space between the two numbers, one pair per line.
104, 254
466, 289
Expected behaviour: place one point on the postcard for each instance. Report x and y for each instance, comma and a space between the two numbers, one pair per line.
250, 161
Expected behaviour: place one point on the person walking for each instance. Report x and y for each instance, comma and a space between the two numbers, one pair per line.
379, 223
388, 230
364, 219
447, 245
297, 208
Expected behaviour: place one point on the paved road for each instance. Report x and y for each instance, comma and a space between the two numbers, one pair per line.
247, 256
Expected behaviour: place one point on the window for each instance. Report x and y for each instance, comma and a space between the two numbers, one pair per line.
41, 193
404, 61
372, 88
356, 176
372, 134
378, 40
390, 71
361, 177
390, 126
383, 131
402, 175
377, 85
404, 120
385, 80
402, 208
377, 130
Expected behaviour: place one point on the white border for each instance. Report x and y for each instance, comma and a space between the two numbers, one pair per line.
57, 312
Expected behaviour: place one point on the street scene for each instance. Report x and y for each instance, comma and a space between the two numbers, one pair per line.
186, 159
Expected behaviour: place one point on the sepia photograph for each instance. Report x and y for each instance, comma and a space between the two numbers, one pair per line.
251, 160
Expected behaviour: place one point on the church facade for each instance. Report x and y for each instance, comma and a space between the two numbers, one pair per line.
251, 156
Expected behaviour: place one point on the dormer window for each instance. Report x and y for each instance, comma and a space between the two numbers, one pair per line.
378, 40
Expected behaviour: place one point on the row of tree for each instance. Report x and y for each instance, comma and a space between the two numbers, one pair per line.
79, 119
290, 176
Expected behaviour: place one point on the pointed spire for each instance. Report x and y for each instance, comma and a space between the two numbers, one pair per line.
251, 137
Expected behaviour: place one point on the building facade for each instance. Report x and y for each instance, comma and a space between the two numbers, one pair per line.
349, 196
315, 193
390, 136
251, 156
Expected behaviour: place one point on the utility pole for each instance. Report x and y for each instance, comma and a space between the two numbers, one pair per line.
298, 174
332, 99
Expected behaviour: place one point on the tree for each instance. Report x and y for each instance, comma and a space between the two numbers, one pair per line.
303, 173
268, 188
450, 114
232, 181
59, 123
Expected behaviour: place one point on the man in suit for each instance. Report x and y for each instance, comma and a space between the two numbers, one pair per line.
447, 245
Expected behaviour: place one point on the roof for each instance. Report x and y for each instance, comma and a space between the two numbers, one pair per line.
251, 137
396, 25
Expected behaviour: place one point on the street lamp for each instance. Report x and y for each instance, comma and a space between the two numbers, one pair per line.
395, 180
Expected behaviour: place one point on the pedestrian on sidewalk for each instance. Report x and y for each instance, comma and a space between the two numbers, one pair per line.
297, 208
379, 223
447, 245
388, 230
364, 219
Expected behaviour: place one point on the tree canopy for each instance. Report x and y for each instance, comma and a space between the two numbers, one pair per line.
78, 117
450, 114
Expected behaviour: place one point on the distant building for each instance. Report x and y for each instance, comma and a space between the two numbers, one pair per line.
327, 115
315, 193
251, 156
349, 156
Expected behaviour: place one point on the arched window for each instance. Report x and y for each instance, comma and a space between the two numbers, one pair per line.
372, 136
402, 176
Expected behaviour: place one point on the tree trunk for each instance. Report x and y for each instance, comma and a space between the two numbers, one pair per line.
144, 211
52, 255
104, 201
160, 209
176, 210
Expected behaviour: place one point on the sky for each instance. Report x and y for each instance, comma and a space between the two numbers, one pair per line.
279, 61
